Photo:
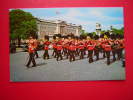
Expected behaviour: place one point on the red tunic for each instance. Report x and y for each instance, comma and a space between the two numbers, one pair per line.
107, 47
72, 47
91, 47
46, 45
81, 47
31, 49
59, 47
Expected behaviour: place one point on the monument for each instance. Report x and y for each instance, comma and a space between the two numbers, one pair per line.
98, 29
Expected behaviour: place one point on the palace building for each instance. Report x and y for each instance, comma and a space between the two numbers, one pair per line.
52, 27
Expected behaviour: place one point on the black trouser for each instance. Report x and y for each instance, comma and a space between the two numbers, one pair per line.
104, 53
36, 53
84, 51
77, 52
97, 54
72, 56
68, 53
54, 53
46, 54
64, 51
59, 55
90, 54
108, 57
31, 59
114, 53
121, 49
119, 53
81, 53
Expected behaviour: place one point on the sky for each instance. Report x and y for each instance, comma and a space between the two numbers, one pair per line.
87, 17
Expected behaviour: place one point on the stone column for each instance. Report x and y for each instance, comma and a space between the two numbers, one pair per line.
57, 29
77, 31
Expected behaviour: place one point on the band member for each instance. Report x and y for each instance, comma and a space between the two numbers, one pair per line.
36, 47
118, 49
65, 48
81, 50
107, 49
90, 47
102, 48
54, 43
31, 51
77, 47
59, 49
72, 49
114, 47
97, 49
121, 48
46, 48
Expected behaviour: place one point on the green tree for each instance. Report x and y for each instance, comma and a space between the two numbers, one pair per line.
83, 33
118, 31
103, 31
22, 24
94, 33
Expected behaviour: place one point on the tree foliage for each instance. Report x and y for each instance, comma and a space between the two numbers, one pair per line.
22, 24
83, 33
118, 31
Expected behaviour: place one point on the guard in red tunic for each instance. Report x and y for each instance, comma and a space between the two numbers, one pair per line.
67, 49
46, 48
31, 51
59, 49
121, 48
54, 49
118, 49
107, 49
81, 50
36, 46
90, 48
72, 49
54, 43
102, 48
97, 49
77, 48
114, 47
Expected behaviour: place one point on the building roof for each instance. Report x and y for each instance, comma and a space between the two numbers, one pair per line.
57, 21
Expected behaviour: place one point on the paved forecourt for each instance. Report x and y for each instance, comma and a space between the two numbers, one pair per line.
52, 70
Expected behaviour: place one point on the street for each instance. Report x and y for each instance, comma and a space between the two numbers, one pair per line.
52, 70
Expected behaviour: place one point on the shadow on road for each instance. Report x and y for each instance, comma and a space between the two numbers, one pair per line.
41, 64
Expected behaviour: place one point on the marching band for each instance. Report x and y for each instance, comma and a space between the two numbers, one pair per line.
72, 47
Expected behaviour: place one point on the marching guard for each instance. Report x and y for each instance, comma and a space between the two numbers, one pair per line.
31, 50
97, 49
114, 47
46, 48
72, 49
36, 47
90, 47
54, 43
81, 50
59, 49
107, 49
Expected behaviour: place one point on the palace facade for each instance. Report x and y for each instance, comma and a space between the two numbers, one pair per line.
52, 27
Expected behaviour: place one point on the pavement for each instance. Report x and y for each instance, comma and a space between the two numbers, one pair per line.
52, 70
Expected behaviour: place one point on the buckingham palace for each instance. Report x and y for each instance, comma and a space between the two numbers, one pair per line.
53, 27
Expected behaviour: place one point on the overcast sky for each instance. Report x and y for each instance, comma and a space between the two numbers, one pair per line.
87, 17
